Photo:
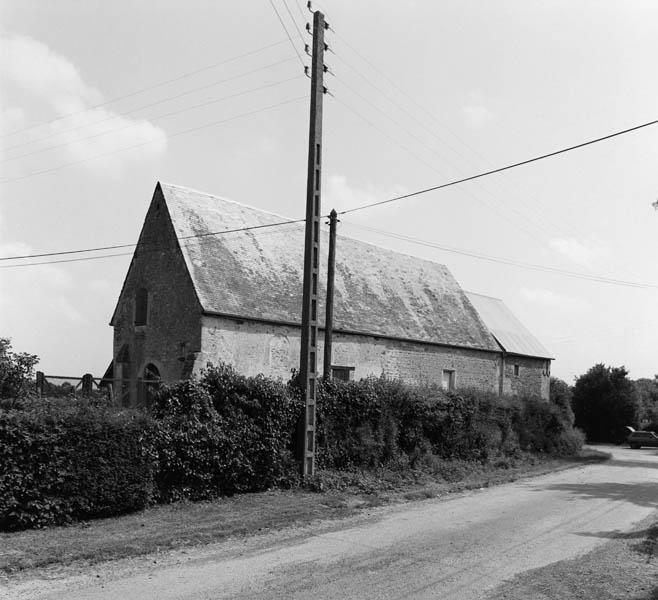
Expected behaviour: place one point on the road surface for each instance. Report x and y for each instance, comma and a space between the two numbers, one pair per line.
459, 548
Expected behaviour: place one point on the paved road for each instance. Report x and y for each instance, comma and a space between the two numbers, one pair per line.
458, 548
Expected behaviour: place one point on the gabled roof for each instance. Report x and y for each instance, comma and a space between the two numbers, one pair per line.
258, 274
509, 332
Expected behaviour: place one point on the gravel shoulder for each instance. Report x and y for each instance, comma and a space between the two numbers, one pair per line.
626, 566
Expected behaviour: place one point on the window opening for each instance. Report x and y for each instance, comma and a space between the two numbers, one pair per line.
141, 306
342, 373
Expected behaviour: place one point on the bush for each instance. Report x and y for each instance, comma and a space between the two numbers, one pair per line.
73, 460
224, 433
15, 371
378, 422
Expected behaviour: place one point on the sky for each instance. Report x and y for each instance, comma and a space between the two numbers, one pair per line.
100, 100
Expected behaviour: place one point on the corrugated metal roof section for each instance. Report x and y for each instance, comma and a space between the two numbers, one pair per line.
506, 328
258, 274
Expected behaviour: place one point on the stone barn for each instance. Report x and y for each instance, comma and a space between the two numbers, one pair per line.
199, 290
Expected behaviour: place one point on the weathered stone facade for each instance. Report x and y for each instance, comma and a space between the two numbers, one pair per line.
181, 307
254, 347
172, 330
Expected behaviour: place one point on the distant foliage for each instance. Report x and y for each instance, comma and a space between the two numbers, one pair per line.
16, 371
647, 390
64, 461
604, 400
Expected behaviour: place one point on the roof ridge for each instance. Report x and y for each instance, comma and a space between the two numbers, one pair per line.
484, 296
225, 199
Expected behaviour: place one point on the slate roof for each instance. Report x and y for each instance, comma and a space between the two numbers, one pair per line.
509, 332
258, 274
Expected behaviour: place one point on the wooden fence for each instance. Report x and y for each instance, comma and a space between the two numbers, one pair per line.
88, 385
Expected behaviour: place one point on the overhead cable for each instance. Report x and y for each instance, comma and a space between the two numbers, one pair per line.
506, 261
148, 88
149, 105
502, 169
185, 131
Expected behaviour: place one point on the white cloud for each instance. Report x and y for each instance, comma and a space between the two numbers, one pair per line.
476, 115
552, 299
11, 119
339, 194
101, 286
583, 252
475, 111
55, 81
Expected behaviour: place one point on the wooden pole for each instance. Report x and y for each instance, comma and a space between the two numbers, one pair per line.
309, 336
329, 309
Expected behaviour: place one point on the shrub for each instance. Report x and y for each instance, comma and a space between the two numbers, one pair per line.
73, 460
15, 371
224, 433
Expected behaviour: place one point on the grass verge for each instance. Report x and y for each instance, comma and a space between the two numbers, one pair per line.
625, 567
182, 525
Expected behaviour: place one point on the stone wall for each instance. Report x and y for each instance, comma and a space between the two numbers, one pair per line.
533, 376
253, 347
172, 332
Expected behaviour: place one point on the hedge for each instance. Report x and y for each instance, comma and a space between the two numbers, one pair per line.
63, 461
223, 433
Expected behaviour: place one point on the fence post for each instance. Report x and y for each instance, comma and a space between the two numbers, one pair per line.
87, 384
41, 379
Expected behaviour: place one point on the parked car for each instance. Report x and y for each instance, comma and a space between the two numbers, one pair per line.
637, 439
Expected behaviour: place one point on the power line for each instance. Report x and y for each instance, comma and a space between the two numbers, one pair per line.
193, 129
155, 118
149, 105
299, 56
301, 37
426, 129
66, 260
499, 214
501, 169
427, 112
196, 236
506, 261
146, 89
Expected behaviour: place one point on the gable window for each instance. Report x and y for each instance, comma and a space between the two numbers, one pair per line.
516, 370
141, 306
448, 380
342, 373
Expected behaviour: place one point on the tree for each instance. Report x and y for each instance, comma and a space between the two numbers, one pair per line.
16, 370
604, 400
647, 390
561, 394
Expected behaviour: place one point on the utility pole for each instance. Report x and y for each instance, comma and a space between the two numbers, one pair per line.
329, 314
308, 354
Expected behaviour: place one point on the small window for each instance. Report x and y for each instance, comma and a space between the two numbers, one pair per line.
516, 370
342, 373
448, 380
141, 306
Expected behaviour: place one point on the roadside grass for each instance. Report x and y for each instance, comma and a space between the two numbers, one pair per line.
625, 567
186, 524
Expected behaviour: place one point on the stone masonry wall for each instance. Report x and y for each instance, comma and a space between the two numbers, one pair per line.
533, 377
253, 347
173, 330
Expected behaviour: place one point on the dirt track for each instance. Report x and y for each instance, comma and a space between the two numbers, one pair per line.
453, 548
